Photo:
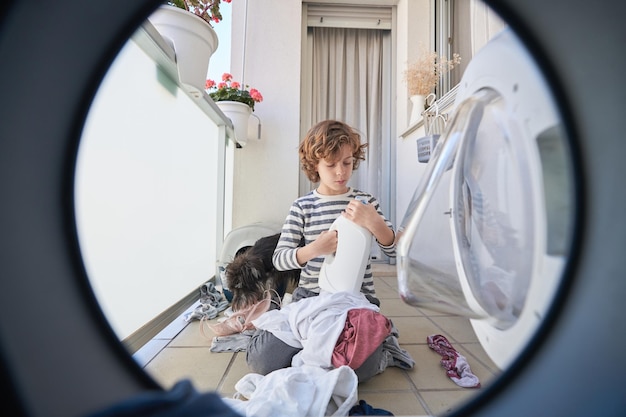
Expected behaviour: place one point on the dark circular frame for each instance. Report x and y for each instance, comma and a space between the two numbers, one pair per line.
58, 354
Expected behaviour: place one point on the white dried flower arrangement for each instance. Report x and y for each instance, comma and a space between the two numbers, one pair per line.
423, 74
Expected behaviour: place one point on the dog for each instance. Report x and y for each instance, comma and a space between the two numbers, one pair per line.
252, 272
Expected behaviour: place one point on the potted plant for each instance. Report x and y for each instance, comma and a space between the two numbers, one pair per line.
208, 10
236, 102
422, 76
230, 90
187, 25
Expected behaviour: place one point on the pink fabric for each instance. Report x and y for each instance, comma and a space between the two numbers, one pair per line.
364, 331
242, 319
455, 364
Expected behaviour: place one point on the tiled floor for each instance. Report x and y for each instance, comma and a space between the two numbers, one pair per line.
183, 351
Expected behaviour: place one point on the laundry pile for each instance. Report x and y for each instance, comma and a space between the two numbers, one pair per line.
336, 333
301, 391
363, 332
212, 302
316, 324
296, 391
455, 364
234, 330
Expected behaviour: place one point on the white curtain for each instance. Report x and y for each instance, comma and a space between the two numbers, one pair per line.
350, 82
348, 86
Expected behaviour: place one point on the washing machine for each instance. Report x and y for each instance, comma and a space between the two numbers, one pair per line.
59, 356
499, 185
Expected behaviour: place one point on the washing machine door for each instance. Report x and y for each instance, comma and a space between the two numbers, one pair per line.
499, 185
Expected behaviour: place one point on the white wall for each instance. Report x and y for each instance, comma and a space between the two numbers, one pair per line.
414, 26
146, 193
266, 170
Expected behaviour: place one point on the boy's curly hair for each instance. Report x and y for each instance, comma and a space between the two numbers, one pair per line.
324, 141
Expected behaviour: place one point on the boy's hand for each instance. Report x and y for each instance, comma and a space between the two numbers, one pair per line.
326, 242
365, 215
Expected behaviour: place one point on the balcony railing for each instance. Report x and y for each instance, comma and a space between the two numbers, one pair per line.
152, 189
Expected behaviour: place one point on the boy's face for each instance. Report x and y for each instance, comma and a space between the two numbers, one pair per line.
335, 172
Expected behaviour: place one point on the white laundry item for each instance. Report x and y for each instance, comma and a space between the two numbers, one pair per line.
313, 324
303, 391
467, 378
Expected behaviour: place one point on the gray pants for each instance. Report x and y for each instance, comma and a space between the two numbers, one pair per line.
267, 353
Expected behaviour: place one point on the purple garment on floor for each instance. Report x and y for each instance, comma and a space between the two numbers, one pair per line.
455, 364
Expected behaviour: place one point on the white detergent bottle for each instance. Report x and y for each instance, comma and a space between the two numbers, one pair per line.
344, 270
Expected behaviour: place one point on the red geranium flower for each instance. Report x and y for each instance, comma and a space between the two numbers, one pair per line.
229, 90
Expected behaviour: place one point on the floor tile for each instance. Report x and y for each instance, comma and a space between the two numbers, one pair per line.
414, 329
175, 327
396, 308
384, 270
432, 313
193, 363
238, 369
149, 351
392, 282
384, 291
445, 402
392, 379
428, 372
457, 329
196, 334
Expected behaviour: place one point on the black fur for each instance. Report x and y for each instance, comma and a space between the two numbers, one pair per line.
252, 272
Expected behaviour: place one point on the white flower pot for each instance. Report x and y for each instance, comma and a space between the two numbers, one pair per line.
417, 108
239, 114
193, 41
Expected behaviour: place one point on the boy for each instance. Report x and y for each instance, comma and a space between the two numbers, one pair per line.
329, 153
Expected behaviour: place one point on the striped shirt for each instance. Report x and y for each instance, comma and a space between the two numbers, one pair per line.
308, 217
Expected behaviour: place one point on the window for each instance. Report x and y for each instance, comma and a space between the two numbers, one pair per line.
463, 27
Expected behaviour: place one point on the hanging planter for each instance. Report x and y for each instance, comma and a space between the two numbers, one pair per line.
193, 41
236, 102
239, 115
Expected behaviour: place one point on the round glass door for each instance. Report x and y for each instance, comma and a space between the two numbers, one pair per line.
493, 220
487, 231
